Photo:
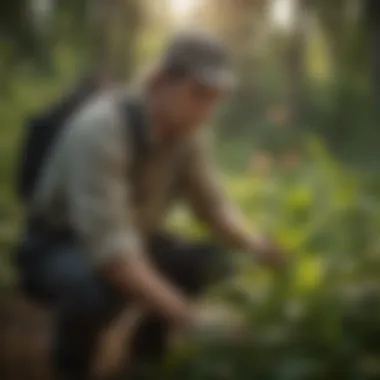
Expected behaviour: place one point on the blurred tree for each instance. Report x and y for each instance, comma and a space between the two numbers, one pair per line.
100, 32
372, 17
18, 35
295, 59
116, 31
105, 31
242, 25
346, 37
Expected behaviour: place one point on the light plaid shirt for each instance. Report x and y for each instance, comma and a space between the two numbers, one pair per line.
85, 183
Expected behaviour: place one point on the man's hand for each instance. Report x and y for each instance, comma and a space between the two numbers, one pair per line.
267, 252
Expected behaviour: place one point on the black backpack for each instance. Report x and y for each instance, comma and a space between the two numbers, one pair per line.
41, 132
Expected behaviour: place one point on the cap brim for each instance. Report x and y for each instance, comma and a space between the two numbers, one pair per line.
217, 77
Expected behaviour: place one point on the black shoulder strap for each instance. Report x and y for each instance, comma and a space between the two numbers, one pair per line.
137, 125
135, 121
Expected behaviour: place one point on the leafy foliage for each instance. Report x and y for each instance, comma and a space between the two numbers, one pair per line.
318, 319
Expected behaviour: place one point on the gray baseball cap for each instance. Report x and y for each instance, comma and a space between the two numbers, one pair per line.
199, 54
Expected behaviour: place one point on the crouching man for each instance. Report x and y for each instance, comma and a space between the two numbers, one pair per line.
95, 240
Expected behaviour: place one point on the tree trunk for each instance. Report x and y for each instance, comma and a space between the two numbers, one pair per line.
295, 61
373, 20
115, 28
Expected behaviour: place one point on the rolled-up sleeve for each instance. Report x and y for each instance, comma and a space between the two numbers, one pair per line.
204, 190
201, 182
98, 193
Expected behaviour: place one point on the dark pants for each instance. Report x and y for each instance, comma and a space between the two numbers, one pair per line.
83, 303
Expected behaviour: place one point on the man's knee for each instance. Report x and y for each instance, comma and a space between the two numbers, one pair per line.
206, 265
214, 262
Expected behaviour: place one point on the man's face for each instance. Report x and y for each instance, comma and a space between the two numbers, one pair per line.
187, 104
